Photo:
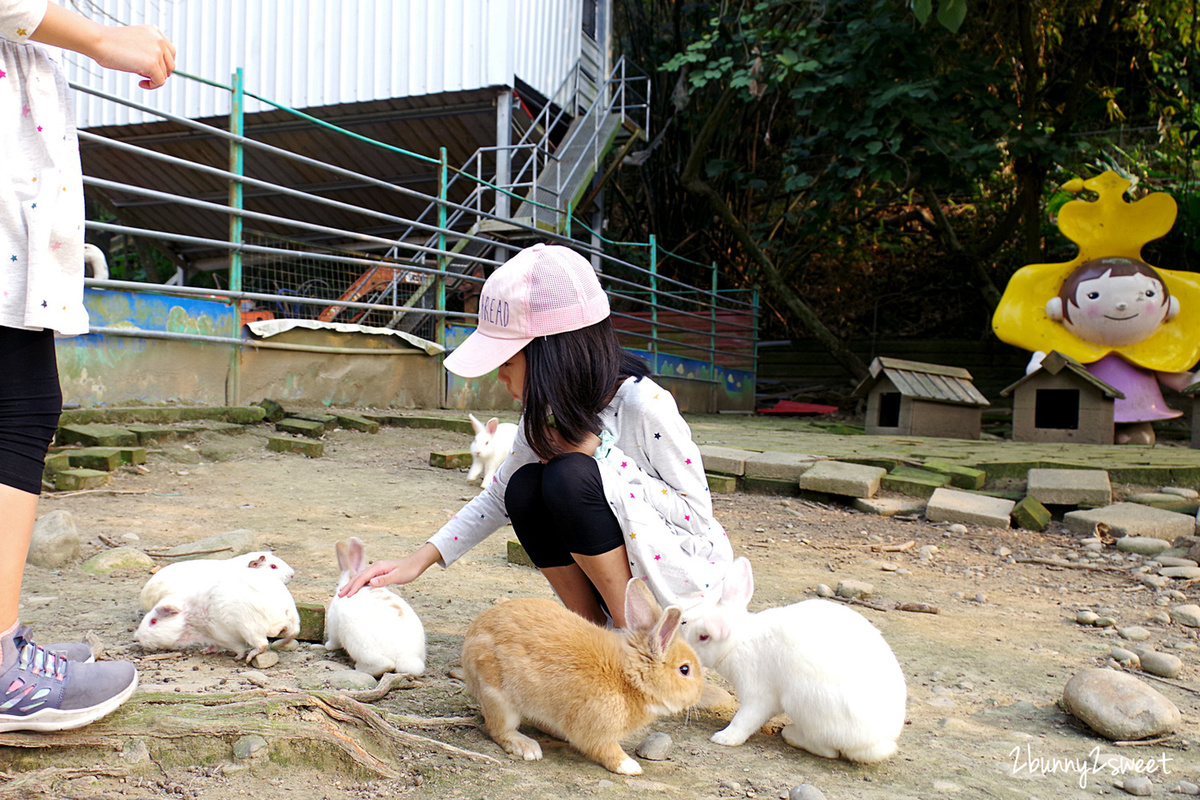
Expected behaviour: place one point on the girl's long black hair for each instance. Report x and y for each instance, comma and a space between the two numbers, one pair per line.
573, 375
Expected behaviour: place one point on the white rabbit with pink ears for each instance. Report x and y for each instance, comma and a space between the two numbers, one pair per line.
823, 664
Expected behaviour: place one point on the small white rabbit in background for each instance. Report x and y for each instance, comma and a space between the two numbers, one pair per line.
377, 629
493, 443
823, 664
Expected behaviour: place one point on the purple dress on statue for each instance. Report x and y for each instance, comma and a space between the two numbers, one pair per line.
1143, 401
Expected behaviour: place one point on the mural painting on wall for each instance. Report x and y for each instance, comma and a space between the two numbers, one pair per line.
1134, 326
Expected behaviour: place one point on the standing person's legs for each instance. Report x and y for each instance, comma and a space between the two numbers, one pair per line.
563, 520
40, 689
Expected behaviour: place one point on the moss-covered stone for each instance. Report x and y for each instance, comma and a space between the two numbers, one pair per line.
301, 427
286, 444
312, 622
71, 480
721, 484
450, 459
355, 422
517, 555
1030, 514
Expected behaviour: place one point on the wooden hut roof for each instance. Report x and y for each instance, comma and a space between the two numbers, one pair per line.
1055, 362
932, 382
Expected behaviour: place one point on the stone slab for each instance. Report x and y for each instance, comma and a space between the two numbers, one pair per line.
301, 427
413, 421
96, 436
961, 476
1131, 519
840, 478
725, 460
100, 458
312, 622
779, 466
1069, 487
1167, 502
517, 555
953, 505
450, 459
1031, 515
916, 487
890, 506
770, 486
721, 484
286, 444
355, 422
70, 480
242, 415
146, 434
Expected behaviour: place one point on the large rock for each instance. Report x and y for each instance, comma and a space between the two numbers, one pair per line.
1119, 706
55, 541
221, 545
119, 558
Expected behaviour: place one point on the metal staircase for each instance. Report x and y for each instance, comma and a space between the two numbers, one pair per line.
550, 179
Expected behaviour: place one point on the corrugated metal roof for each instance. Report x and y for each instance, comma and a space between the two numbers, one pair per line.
933, 382
314, 53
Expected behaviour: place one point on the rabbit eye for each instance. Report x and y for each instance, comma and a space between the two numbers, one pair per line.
703, 637
274, 566
153, 621
685, 669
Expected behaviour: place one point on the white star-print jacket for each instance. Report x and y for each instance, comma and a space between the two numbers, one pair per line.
654, 481
41, 184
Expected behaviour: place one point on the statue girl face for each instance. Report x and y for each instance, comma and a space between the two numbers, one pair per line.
1113, 302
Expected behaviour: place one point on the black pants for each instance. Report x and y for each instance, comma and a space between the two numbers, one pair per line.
558, 509
30, 404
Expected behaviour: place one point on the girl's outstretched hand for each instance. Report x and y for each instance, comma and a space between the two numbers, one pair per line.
401, 571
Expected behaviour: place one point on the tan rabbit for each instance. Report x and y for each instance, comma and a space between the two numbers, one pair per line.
532, 659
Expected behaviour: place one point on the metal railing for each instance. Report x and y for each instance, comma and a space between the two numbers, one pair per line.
312, 272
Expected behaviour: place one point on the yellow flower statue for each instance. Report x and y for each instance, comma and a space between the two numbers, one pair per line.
1107, 308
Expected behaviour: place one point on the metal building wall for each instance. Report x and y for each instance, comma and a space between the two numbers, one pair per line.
307, 53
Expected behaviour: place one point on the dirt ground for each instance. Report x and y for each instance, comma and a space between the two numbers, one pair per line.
984, 675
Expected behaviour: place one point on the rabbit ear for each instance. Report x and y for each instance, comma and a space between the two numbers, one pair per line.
739, 583
665, 630
343, 556
354, 549
641, 609
493, 423
476, 424
165, 611
258, 562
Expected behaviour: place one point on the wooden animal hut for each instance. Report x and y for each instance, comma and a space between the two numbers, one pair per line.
1061, 401
910, 398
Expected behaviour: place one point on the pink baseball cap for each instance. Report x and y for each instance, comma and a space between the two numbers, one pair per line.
542, 290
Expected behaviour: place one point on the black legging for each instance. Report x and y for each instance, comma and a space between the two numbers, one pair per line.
30, 404
558, 508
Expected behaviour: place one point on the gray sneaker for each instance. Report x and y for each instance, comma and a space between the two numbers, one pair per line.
43, 691
72, 651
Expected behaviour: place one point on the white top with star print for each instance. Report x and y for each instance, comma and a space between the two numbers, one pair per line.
41, 184
654, 480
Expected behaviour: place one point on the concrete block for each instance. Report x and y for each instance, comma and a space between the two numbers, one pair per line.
1167, 502
409, 421
890, 506
779, 466
952, 505
517, 555
105, 459
133, 455
770, 486
961, 477
96, 436
450, 459
1069, 487
355, 422
721, 484
115, 415
273, 410
147, 434
286, 444
725, 460
328, 420
1030, 514
301, 427
838, 477
55, 462
70, 480
916, 487
312, 622
1131, 519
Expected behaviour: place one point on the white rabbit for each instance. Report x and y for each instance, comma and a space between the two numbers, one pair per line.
377, 629
492, 444
823, 664
184, 577
239, 612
